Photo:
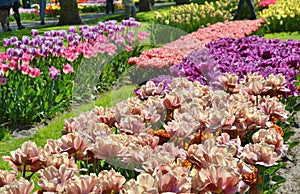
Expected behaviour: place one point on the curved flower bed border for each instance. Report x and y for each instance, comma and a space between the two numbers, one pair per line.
173, 53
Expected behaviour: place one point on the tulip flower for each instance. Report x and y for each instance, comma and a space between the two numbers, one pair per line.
67, 69
53, 72
35, 72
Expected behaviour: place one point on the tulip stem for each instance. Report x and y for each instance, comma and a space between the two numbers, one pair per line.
24, 171
29, 177
261, 173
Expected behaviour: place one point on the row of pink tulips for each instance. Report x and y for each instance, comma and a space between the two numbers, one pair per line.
173, 53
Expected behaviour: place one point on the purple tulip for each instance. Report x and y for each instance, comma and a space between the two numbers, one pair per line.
34, 32
53, 72
72, 29
26, 40
6, 42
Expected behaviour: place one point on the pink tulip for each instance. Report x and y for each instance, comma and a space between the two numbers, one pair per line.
7, 177
266, 3
3, 80
3, 68
13, 65
35, 72
128, 48
53, 72
68, 69
25, 69
29, 156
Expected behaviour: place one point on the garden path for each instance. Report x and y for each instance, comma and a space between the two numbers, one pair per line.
292, 171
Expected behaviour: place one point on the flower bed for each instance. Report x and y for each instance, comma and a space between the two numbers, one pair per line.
192, 16
41, 70
282, 16
178, 136
241, 56
172, 53
204, 140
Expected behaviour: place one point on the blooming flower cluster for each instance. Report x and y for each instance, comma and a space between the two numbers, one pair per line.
55, 58
173, 52
282, 16
192, 16
241, 56
191, 139
258, 55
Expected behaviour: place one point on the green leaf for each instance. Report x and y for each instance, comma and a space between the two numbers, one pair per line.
293, 144
59, 98
278, 179
273, 169
288, 134
297, 107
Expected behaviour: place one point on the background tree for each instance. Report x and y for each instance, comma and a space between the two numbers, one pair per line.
145, 5
69, 13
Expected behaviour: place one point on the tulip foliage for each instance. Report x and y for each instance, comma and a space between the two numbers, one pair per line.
38, 73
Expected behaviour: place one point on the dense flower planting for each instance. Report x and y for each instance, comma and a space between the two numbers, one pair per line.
192, 16
282, 16
190, 139
241, 56
37, 73
212, 129
173, 52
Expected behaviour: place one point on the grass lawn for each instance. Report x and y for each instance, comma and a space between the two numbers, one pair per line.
284, 35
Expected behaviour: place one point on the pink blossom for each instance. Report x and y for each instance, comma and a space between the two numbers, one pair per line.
3, 80
25, 58
68, 69
21, 186
35, 72
266, 3
7, 177
13, 65
142, 35
53, 72
29, 156
3, 68
260, 153
128, 48
25, 69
